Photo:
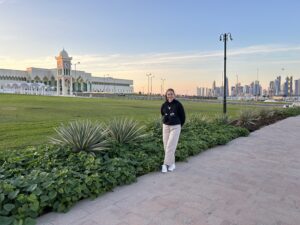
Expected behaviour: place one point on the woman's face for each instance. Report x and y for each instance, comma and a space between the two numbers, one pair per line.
170, 96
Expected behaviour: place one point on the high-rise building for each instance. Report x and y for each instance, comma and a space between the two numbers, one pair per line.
256, 88
233, 91
297, 87
277, 85
213, 89
290, 86
271, 90
246, 89
287, 86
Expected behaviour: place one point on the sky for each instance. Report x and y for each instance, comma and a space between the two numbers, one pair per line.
175, 40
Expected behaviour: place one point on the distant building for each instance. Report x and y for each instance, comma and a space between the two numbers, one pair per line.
287, 87
246, 89
271, 89
277, 85
63, 80
297, 87
255, 88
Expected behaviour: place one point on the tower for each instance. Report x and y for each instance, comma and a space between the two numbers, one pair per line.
63, 77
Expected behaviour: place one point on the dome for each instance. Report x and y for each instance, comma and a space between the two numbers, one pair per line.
64, 54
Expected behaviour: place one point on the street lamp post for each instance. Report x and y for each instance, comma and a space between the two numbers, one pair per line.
151, 82
162, 85
75, 73
225, 37
148, 75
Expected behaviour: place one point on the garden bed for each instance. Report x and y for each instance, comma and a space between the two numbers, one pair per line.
49, 178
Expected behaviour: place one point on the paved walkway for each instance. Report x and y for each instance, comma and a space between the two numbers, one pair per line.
250, 181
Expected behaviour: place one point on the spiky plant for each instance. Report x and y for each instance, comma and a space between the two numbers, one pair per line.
247, 118
196, 120
124, 130
222, 119
265, 113
81, 136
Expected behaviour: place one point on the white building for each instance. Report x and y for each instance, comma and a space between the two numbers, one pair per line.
63, 80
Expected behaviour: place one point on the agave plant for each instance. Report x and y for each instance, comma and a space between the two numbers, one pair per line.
123, 130
81, 136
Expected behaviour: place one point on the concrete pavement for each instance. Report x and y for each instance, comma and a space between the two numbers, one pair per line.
252, 180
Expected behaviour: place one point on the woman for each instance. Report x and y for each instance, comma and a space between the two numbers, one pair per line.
173, 119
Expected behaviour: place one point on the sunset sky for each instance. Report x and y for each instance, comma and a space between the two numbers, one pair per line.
173, 39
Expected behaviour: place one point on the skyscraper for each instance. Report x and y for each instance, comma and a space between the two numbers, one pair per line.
278, 86
288, 86
297, 87
271, 90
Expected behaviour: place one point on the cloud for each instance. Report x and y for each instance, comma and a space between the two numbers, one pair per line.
156, 59
7, 1
9, 37
175, 59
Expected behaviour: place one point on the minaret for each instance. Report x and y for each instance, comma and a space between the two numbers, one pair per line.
65, 87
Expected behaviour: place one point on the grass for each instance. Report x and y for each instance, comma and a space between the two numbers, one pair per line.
29, 120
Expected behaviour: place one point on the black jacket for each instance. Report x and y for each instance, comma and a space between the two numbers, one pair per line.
172, 113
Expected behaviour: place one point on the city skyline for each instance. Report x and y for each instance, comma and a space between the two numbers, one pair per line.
171, 39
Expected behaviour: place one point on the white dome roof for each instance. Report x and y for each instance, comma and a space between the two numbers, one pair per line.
64, 54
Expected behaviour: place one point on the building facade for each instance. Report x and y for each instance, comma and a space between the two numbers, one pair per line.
63, 80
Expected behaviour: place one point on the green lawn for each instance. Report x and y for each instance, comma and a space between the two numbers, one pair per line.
29, 120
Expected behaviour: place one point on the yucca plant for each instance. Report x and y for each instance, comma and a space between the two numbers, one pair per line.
124, 130
81, 136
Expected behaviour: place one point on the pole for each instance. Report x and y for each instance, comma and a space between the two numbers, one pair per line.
151, 84
225, 81
75, 78
148, 85
162, 85
148, 75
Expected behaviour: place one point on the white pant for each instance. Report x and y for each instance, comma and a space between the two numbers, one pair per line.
171, 135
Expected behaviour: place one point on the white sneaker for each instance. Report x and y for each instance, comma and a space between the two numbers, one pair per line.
164, 169
172, 167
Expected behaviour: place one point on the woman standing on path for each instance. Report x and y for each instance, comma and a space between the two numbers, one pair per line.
173, 115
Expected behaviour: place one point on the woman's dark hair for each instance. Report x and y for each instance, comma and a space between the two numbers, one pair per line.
170, 89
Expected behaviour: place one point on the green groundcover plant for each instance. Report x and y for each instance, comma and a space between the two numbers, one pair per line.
47, 178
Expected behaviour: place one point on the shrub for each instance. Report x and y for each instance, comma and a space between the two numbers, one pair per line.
154, 127
247, 119
48, 179
291, 111
81, 136
38, 180
222, 119
125, 130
